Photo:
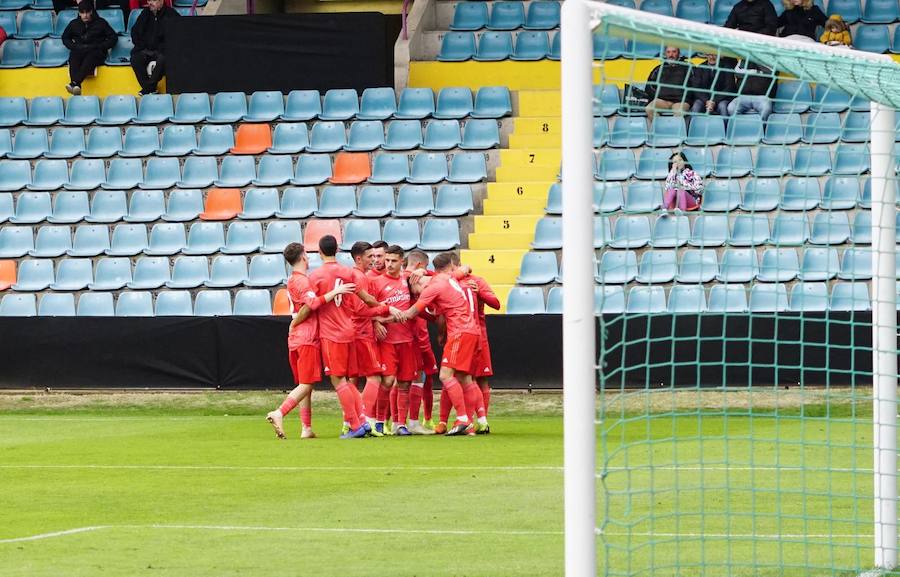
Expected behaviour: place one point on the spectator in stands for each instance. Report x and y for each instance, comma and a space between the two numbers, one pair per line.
754, 86
666, 85
800, 18
753, 16
837, 33
684, 187
712, 88
88, 38
149, 36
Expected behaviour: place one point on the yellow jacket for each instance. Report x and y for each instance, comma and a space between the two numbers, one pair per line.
842, 37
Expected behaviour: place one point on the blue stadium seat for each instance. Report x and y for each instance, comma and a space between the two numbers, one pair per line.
124, 174
375, 201
543, 15
281, 233
108, 206
862, 228
365, 136
302, 105
841, 193
118, 109
554, 300
684, 299
14, 4
733, 163
403, 135
17, 54
327, 137
856, 127
134, 304
480, 134
360, 230
608, 197
177, 140
274, 170
849, 10
13, 111
721, 196
155, 109
29, 143
55, 305
73, 274
227, 108
90, 240
507, 15
695, 10
289, 138
698, 266
606, 100
298, 203
661, 7
49, 175
336, 202
377, 104
721, 10
670, 231
103, 142
174, 304
779, 265
191, 107
265, 106
494, 46
822, 128
749, 230
415, 104
744, 130
205, 238
856, 264
414, 200
643, 197
531, 44
439, 234
809, 296
51, 53
782, 128
15, 241
547, 234
114, 17
646, 300
427, 168
81, 111
111, 274
709, 230
32, 207
812, 161
657, 267
5, 141
253, 302
790, 230
830, 228
538, 268
183, 205
819, 264
706, 131
631, 232
525, 301
189, 272
166, 239
761, 195
828, 99
243, 238
235, 172
227, 271
738, 265
801, 194
340, 104
14, 175
653, 164
66, 143
214, 140
150, 273
792, 96
454, 104
453, 200
768, 298
442, 135
728, 299
199, 172
214, 303
140, 141
617, 164
601, 132
132, 18
403, 232
6, 207
312, 169
260, 203
467, 168
128, 240
628, 132
850, 296
34, 24
618, 267
163, 173
701, 159
8, 21
880, 12
34, 275
667, 131
51, 242
851, 159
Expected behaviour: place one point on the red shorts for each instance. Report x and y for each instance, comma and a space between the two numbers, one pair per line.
368, 362
460, 352
483, 366
400, 360
337, 358
427, 362
306, 364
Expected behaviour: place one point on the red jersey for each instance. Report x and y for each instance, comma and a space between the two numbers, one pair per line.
447, 298
301, 293
373, 274
362, 322
336, 317
484, 296
394, 292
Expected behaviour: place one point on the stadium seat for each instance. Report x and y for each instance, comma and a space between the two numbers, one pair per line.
849, 10
442, 135
155, 109
670, 231
698, 266
327, 137
427, 168
289, 138
850, 296
69, 207
365, 136
782, 128
236, 172
111, 274
695, 10
856, 127
653, 164
480, 134
5, 141
739, 265
439, 234
34, 25
667, 131
188, 272
252, 139
274, 171
790, 230
183, 205
661, 7
118, 110
163, 173
205, 238
830, 228
8, 21
506, 15
16, 241
801, 194
469, 16
375, 202
602, 232
265, 106
177, 140
862, 228
768, 298
298, 203
7, 274
865, 195
415, 104
377, 104
134, 304
466, 168
856, 264
403, 135
212, 303
744, 130
282, 303
657, 267
45, 111
728, 299
631, 232
792, 96
279, 234
318, 228
49, 175
538, 268
66, 143
819, 264
684, 299
312, 169
73, 274
828, 99
721, 10
199, 172
733, 163
302, 105
140, 141
108, 206
880, 12
709, 231
17, 54
340, 104
260, 203
525, 301
414, 200
360, 230
494, 46
90, 240
403, 232
606, 100
547, 234
128, 240
812, 161
13, 111
124, 174
336, 202
749, 230
222, 204
29, 143
166, 239
56, 305
531, 45
617, 164
14, 175
643, 197
809, 296
646, 300
453, 200
34, 275
455, 104
542, 16
779, 265
6, 207
628, 132
761, 195
103, 142
253, 302
601, 132
721, 196
214, 140
14, 305
174, 304
191, 107
243, 238
227, 108
32, 207
610, 47
350, 168
851, 159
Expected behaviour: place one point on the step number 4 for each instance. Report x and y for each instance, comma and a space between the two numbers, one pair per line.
491, 259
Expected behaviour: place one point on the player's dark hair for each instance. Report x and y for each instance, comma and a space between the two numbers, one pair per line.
86, 6
442, 261
454, 258
379, 244
417, 256
394, 249
359, 248
328, 245
293, 252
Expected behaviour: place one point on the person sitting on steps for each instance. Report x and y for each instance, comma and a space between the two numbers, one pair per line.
89, 39
149, 37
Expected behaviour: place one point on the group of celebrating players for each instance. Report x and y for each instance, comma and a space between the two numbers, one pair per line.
366, 326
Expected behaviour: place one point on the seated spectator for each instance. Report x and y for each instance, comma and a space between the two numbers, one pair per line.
754, 87
684, 187
837, 33
753, 16
800, 18
712, 87
89, 39
666, 84
149, 37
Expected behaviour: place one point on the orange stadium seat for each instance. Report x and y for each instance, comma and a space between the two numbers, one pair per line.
282, 304
222, 204
7, 274
318, 228
252, 139
351, 168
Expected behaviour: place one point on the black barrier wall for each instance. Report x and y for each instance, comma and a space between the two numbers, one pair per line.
251, 352
279, 52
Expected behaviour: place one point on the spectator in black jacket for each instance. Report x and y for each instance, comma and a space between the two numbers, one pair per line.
149, 36
755, 85
753, 16
88, 38
712, 87
666, 85
800, 17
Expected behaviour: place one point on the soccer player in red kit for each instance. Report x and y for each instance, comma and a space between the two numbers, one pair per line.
336, 331
303, 341
377, 267
443, 293
421, 393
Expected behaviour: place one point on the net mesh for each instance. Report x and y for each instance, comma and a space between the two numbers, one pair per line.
735, 419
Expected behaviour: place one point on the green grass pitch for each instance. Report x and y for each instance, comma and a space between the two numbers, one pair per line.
197, 485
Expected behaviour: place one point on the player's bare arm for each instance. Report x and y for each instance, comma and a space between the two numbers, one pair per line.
305, 310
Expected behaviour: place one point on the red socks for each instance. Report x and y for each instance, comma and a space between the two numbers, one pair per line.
428, 396
457, 398
384, 396
358, 403
306, 417
287, 406
393, 398
402, 405
486, 395
445, 406
415, 401
370, 398
474, 400
348, 403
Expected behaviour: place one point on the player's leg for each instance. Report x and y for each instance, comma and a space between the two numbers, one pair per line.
276, 417
395, 417
485, 386
428, 400
460, 354
474, 401
336, 357
443, 412
306, 430
309, 370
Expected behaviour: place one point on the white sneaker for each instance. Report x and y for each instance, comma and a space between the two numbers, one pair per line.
151, 67
276, 419
418, 429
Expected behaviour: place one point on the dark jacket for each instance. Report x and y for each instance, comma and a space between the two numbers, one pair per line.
800, 21
756, 81
667, 81
757, 16
149, 32
97, 35
710, 83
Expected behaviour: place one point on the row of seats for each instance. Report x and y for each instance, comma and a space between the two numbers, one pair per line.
37, 24
635, 231
52, 53
110, 206
208, 303
702, 266
506, 15
851, 11
682, 299
207, 238
287, 138
264, 106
